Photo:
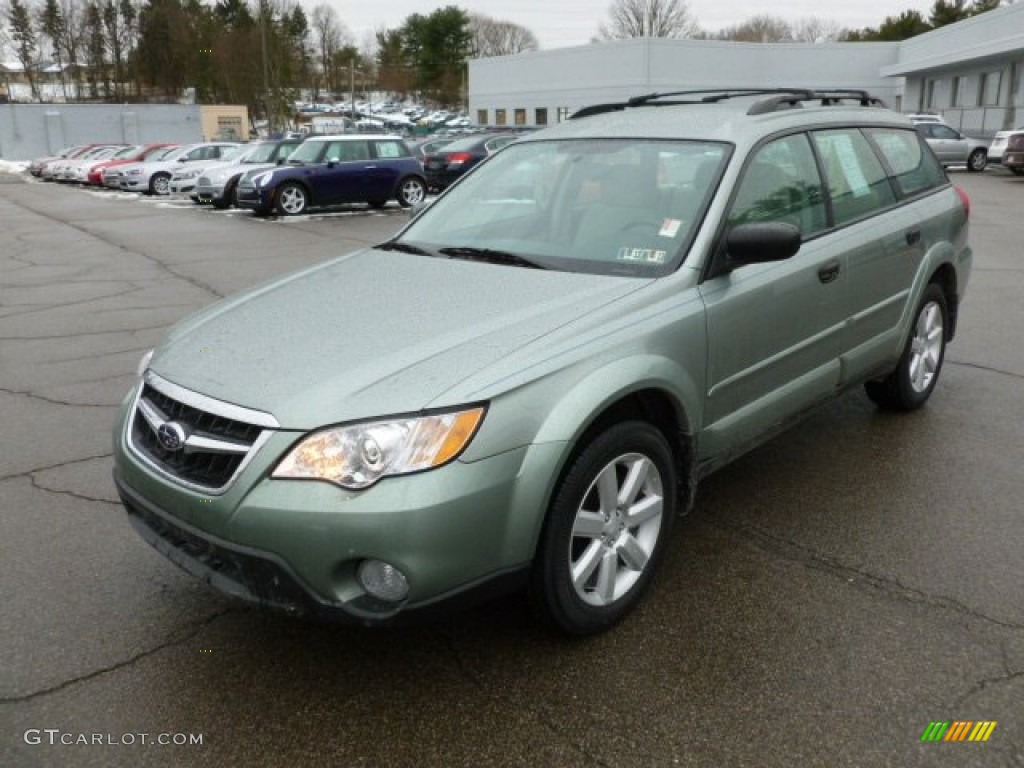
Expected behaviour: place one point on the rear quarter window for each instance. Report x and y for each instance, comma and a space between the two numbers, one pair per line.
912, 164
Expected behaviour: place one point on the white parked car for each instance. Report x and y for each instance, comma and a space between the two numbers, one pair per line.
183, 180
154, 177
59, 169
112, 173
997, 149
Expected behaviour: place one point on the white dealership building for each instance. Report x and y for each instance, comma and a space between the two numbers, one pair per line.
970, 72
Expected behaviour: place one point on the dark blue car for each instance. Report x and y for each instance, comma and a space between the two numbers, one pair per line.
334, 170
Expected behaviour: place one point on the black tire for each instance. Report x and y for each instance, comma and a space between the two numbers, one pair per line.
291, 199
1017, 171
411, 190
228, 199
605, 549
911, 383
158, 184
977, 160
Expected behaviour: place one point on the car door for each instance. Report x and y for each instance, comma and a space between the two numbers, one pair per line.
948, 145
904, 221
341, 176
774, 329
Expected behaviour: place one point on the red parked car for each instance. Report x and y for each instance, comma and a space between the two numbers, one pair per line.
143, 152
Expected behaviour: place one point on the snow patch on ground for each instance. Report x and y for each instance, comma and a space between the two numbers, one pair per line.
13, 166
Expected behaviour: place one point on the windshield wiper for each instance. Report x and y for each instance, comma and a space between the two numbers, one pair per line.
395, 245
489, 256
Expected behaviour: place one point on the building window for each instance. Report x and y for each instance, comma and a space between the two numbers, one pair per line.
956, 98
563, 114
520, 116
991, 84
929, 94
499, 117
540, 116
481, 117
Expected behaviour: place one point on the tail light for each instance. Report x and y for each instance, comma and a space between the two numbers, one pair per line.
963, 199
458, 158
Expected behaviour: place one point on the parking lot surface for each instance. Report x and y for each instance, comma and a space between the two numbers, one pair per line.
833, 593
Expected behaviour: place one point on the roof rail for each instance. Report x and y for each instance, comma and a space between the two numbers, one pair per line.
779, 99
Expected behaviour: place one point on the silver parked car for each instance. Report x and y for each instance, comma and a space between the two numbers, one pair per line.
952, 147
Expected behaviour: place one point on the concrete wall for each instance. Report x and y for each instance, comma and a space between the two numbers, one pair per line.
567, 79
34, 130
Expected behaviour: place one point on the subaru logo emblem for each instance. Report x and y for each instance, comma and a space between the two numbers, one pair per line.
171, 435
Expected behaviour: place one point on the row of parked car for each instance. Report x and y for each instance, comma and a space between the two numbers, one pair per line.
286, 176
954, 148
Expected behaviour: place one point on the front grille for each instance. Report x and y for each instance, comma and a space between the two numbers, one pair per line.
203, 182
207, 469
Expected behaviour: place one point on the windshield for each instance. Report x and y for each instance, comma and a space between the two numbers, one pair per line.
235, 153
264, 153
609, 206
307, 152
128, 152
158, 152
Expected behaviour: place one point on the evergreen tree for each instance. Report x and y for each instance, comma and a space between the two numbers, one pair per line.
24, 38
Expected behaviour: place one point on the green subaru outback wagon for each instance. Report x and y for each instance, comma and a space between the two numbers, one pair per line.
523, 388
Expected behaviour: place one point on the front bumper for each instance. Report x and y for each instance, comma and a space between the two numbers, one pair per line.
460, 534
134, 183
255, 199
181, 186
210, 193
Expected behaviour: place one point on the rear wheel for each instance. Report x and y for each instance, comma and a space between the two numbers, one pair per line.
978, 160
411, 190
1017, 171
910, 384
292, 200
606, 529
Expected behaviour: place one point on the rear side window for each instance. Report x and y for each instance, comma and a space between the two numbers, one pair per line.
781, 184
912, 165
857, 183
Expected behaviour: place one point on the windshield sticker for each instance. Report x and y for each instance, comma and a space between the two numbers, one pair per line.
646, 255
670, 227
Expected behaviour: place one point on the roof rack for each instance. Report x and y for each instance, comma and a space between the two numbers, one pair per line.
778, 99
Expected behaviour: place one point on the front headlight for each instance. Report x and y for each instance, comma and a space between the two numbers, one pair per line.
144, 363
187, 174
135, 172
357, 456
261, 178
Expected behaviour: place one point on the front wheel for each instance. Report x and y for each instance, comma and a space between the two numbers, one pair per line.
411, 191
292, 200
606, 529
977, 161
910, 384
160, 184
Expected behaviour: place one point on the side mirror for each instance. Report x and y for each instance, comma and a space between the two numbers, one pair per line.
757, 243
333, 161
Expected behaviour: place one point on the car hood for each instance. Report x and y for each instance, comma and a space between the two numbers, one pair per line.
372, 334
226, 170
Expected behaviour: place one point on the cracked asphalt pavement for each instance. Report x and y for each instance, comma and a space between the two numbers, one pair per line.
833, 593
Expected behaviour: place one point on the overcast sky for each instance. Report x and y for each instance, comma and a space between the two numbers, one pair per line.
561, 23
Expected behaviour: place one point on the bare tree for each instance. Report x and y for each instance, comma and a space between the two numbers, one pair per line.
759, 29
815, 30
647, 18
330, 35
493, 37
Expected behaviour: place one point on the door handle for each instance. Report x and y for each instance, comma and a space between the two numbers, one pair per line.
829, 272
913, 236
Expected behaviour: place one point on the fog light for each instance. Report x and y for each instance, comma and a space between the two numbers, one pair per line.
383, 580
